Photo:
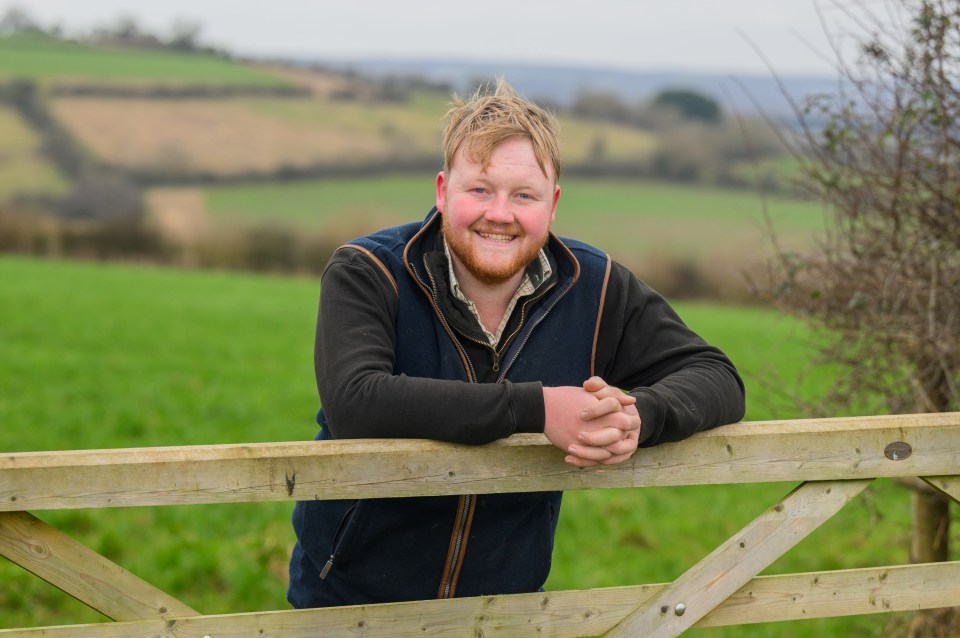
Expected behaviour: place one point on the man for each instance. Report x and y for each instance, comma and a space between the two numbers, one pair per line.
471, 326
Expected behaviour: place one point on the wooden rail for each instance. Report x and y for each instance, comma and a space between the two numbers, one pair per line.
832, 459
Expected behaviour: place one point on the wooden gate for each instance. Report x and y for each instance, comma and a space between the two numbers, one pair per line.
832, 459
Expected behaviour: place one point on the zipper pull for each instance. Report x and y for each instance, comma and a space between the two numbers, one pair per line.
326, 568
496, 361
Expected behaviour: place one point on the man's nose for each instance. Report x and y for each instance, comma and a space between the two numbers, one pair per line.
500, 211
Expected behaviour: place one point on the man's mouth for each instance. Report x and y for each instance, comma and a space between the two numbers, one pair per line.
496, 237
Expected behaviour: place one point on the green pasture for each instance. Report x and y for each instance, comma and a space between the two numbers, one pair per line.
47, 59
23, 170
106, 356
629, 219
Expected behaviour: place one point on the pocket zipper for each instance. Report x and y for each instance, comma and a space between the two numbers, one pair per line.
338, 538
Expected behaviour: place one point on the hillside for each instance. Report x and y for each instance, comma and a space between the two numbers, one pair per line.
61, 63
154, 136
175, 117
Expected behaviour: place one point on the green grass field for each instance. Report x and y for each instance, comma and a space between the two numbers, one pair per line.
104, 356
45, 59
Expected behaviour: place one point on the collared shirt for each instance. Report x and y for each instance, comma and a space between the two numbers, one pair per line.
537, 272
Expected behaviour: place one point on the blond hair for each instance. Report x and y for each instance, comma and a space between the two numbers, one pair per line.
488, 118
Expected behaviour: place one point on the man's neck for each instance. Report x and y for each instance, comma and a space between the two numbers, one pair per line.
491, 300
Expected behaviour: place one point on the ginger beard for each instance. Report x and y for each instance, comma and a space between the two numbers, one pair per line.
485, 271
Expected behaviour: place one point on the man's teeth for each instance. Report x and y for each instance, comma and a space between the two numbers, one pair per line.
494, 237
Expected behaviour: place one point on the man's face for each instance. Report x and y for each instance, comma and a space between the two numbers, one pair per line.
495, 221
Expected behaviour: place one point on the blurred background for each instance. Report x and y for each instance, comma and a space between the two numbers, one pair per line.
230, 135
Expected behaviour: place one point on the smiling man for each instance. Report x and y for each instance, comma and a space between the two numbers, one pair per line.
470, 326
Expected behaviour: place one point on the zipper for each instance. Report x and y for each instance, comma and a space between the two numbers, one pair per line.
461, 527
497, 355
345, 524
523, 314
460, 524
471, 372
463, 517
546, 312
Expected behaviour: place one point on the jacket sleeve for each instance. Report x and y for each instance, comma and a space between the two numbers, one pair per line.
683, 385
354, 356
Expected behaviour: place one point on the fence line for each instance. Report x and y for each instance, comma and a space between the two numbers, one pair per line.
835, 459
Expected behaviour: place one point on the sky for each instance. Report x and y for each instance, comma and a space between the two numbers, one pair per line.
741, 36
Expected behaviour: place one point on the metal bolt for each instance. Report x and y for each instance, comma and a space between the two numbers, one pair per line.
680, 609
897, 451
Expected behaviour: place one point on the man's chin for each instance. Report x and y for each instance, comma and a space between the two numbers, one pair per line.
493, 274
493, 278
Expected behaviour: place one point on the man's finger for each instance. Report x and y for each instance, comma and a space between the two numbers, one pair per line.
600, 408
594, 383
589, 453
604, 437
614, 460
625, 445
620, 420
576, 460
613, 393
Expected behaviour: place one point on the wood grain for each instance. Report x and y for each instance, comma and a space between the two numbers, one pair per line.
564, 614
804, 450
736, 561
81, 572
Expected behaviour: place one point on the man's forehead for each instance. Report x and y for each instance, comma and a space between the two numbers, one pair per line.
469, 153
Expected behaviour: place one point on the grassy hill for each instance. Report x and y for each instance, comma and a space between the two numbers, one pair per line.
23, 168
334, 121
330, 119
314, 159
230, 137
52, 61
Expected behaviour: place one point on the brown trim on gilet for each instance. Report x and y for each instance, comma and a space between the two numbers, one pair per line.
596, 330
380, 264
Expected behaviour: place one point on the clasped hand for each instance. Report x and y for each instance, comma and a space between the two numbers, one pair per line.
594, 425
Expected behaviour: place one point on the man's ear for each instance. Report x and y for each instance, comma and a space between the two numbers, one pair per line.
441, 191
556, 200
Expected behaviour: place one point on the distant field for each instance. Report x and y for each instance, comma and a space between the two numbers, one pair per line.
46, 59
22, 169
635, 221
101, 356
230, 136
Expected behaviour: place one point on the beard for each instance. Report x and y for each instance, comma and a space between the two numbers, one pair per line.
485, 272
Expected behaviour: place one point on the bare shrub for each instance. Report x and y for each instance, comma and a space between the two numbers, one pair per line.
103, 196
886, 280
886, 166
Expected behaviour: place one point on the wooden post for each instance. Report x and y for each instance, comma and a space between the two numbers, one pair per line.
82, 573
714, 579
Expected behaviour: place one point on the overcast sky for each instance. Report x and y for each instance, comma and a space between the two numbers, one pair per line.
695, 35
